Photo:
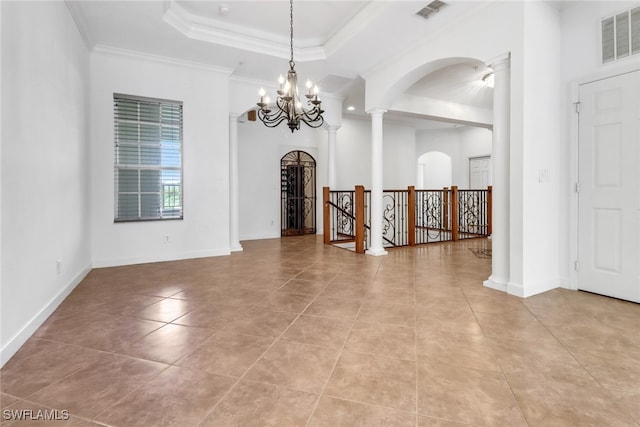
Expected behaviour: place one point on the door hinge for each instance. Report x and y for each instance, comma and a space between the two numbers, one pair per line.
577, 104
576, 265
577, 187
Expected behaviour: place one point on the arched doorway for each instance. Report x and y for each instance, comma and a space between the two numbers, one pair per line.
437, 170
298, 194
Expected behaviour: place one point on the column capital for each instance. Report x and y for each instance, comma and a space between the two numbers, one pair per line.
331, 128
378, 111
234, 116
502, 60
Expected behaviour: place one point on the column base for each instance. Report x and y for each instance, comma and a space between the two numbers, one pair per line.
236, 248
376, 251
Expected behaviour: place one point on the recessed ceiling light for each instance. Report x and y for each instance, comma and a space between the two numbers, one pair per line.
351, 108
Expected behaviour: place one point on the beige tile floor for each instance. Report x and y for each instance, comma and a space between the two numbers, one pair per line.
292, 332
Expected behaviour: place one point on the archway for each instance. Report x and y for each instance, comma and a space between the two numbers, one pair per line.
298, 194
436, 170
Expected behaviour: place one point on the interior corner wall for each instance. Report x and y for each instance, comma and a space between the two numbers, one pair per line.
45, 193
204, 231
541, 146
260, 150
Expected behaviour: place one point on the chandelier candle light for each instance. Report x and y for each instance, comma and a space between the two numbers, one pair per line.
288, 105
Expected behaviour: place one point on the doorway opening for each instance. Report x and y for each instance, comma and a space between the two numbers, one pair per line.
436, 170
298, 194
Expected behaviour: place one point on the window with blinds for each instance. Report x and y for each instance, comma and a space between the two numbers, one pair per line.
148, 158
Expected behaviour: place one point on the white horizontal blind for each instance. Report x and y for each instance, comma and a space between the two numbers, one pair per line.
148, 158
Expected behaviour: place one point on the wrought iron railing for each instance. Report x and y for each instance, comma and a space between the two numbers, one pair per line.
342, 220
433, 216
410, 217
472, 213
395, 218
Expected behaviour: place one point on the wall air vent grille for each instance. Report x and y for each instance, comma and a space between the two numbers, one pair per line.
430, 9
621, 35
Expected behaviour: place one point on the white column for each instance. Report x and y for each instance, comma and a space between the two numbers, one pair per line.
234, 202
500, 159
331, 156
375, 243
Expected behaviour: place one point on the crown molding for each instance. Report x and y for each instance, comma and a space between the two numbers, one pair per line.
238, 37
108, 50
81, 23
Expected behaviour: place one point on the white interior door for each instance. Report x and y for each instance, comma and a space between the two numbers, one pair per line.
479, 172
609, 197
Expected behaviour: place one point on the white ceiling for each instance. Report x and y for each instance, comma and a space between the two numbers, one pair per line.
335, 41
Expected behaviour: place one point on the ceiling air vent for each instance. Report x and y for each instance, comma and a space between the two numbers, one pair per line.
621, 35
430, 9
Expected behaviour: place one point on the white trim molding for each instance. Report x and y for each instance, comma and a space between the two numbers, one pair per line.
15, 342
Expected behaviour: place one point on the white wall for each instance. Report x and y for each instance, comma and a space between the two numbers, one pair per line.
581, 33
203, 91
260, 150
399, 153
437, 167
460, 143
539, 270
353, 154
45, 191
530, 32
581, 63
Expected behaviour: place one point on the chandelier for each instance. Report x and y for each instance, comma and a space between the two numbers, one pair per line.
288, 106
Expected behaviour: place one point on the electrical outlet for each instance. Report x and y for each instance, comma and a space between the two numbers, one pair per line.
58, 266
167, 239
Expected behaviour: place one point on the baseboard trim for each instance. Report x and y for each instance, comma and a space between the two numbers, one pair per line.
114, 262
524, 291
489, 283
260, 236
15, 342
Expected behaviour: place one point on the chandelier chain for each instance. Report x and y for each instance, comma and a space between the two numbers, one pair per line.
291, 63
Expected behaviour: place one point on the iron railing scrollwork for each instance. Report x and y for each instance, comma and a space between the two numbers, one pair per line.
433, 213
344, 216
409, 217
472, 213
394, 218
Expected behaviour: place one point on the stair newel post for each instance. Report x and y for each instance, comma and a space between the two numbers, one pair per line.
326, 216
454, 212
489, 204
360, 213
445, 208
411, 215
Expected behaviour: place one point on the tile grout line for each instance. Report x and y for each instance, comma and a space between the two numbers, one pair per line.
344, 344
275, 340
568, 350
